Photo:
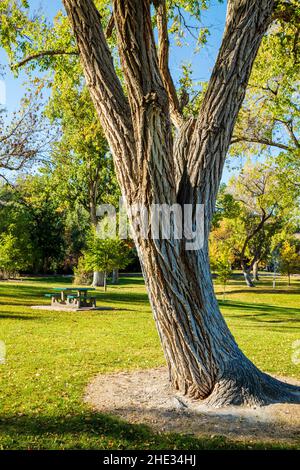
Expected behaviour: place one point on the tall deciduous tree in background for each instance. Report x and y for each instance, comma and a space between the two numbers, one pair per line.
81, 161
265, 203
289, 261
270, 115
24, 138
155, 165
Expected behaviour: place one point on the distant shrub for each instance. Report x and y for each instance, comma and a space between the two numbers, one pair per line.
11, 257
82, 274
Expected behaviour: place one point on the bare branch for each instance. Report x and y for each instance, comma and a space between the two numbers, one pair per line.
290, 128
259, 140
25, 138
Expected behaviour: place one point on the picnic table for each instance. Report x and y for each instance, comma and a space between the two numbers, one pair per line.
75, 297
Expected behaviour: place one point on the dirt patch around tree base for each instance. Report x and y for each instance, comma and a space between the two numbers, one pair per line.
145, 397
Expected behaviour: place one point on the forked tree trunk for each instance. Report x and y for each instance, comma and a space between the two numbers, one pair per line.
203, 358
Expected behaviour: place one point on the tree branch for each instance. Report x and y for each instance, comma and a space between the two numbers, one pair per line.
110, 27
163, 61
105, 87
147, 95
246, 23
258, 140
255, 231
290, 128
138, 54
38, 55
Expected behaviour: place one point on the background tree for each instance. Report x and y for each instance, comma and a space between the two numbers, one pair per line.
269, 120
289, 259
221, 254
106, 255
80, 161
12, 259
264, 204
30, 212
224, 271
24, 138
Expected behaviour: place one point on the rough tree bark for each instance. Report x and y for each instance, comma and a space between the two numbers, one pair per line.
154, 167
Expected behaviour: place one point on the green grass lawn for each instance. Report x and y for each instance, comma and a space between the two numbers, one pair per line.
51, 356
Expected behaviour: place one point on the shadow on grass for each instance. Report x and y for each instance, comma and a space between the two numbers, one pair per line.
49, 279
92, 427
259, 290
260, 307
27, 295
15, 316
16, 292
122, 297
265, 314
137, 281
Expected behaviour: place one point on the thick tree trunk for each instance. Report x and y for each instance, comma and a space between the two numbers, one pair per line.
255, 271
98, 279
203, 358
